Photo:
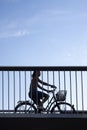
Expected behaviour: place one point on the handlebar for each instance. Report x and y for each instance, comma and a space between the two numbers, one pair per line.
54, 87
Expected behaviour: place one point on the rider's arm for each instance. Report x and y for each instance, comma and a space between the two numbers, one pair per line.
44, 83
42, 88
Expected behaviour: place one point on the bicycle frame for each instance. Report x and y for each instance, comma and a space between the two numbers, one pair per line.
50, 103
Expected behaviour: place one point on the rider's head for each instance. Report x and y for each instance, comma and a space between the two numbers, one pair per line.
36, 73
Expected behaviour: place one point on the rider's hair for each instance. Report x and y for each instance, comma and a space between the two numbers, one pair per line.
34, 73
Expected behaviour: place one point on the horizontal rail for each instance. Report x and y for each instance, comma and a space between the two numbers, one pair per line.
44, 68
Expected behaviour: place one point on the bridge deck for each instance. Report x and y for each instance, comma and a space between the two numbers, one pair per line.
18, 115
43, 121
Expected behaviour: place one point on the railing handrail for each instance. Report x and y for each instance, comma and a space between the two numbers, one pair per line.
43, 68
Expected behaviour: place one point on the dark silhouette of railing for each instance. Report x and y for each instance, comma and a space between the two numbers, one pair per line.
15, 81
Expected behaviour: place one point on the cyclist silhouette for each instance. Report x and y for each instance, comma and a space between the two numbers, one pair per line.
39, 97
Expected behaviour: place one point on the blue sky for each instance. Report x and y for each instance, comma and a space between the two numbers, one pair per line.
43, 32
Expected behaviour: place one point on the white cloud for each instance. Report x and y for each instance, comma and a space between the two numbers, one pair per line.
14, 34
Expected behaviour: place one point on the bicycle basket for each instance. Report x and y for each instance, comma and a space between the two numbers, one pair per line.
61, 95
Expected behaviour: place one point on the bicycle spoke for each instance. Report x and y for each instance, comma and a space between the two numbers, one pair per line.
25, 108
63, 108
22, 108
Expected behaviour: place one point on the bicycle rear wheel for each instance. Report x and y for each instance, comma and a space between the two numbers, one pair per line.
25, 107
63, 107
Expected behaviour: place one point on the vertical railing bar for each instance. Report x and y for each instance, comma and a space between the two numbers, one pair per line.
2, 90
65, 85
14, 85
8, 91
25, 84
48, 82
76, 90
19, 85
82, 91
70, 87
31, 87
53, 78
42, 84
36, 95
64, 81
59, 78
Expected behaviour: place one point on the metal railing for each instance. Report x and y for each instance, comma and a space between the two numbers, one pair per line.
15, 83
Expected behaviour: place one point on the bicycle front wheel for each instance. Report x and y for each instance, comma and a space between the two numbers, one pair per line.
25, 107
63, 107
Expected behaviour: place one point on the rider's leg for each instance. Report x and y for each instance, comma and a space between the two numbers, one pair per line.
45, 98
42, 96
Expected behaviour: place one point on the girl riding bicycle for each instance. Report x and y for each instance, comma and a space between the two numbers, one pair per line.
36, 95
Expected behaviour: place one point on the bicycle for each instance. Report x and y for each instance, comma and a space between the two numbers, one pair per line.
57, 104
